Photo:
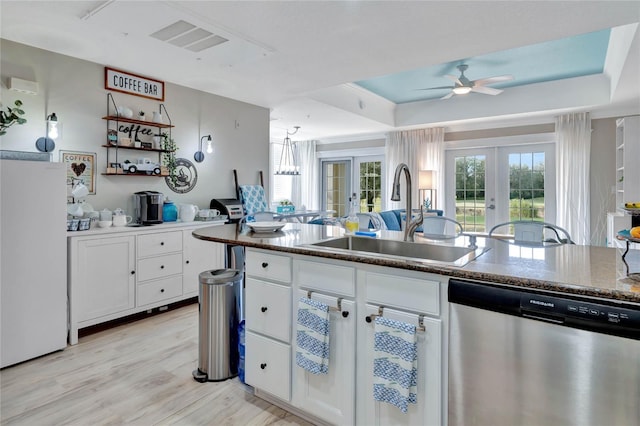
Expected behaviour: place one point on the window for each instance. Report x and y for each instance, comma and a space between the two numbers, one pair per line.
281, 186
336, 186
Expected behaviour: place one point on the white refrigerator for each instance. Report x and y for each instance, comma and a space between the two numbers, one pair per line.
33, 259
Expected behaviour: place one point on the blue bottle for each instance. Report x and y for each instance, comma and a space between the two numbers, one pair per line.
169, 211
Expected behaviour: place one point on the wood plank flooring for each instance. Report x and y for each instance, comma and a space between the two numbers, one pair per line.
138, 374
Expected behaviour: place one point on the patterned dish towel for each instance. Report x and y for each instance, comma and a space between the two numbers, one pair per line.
312, 336
395, 363
253, 198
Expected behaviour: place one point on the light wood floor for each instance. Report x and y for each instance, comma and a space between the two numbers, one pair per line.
138, 374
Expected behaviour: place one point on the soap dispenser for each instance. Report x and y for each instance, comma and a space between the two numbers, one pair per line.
352, 224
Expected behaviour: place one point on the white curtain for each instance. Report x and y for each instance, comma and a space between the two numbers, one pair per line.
421, 149
573, 156
305, 190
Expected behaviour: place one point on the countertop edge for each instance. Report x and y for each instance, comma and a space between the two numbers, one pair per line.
457, 272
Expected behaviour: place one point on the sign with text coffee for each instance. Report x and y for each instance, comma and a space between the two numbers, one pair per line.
125, 82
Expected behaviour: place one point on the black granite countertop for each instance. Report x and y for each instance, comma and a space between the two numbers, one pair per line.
583, 270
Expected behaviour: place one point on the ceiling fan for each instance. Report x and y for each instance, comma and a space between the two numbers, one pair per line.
462, 85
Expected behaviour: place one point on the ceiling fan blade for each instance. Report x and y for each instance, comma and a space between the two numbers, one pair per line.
454, 78
447, 96
486, 90
490, 80
435, 88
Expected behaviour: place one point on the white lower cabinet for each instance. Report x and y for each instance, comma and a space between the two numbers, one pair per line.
344, 396
198, 256
111, 275
106, 269
330, 397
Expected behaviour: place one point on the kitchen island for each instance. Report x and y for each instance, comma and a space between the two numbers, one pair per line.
285, 267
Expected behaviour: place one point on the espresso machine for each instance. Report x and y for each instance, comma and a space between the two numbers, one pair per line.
148, 207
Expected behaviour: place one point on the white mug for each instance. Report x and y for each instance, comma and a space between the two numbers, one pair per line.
121, 220
214, 212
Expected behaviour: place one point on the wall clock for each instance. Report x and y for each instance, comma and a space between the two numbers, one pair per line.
186, 178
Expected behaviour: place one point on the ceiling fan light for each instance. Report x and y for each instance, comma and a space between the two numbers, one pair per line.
462, 90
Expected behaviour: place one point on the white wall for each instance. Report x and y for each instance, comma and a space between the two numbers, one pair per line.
74, 90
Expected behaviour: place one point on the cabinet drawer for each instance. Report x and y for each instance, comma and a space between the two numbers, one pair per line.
268, 365
268, 266
325, 277
412, 294
268, 308
155, 291
159, 243
159, 266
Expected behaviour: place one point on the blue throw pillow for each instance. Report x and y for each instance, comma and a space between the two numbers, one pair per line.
391, 220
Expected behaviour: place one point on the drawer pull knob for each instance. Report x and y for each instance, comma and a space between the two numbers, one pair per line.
187, 262
162, 243
263, 309
162, 290
263, 365
133, 272
345, 314
161, 266
367, 318
265, 264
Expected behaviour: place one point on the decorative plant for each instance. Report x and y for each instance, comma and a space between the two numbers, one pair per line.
169, 157
11, 116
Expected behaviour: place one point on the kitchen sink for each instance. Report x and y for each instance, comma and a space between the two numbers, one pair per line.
401, 250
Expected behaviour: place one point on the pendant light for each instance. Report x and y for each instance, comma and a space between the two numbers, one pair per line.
287, 160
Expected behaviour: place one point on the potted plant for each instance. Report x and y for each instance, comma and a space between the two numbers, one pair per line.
11, 116
169, 156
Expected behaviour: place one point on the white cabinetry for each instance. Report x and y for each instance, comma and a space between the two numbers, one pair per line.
407, 299
345, 394
331, 396
125, 271
627, 156
268, 323
198, 256
106, 269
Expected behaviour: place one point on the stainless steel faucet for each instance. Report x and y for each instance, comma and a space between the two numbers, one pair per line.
412, 224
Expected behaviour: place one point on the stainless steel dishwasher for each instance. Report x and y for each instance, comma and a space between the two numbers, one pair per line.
523, 358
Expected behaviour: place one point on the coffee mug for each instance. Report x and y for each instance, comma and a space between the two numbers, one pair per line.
214, 212
121, 220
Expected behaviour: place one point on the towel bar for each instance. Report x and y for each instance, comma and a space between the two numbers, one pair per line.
419, 327
333, 308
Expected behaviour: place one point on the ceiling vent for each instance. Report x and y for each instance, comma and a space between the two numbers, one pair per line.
188, 36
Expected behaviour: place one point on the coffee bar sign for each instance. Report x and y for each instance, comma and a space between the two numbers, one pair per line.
120, 81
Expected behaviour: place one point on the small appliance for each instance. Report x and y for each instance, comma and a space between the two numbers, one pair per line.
232, 207
148, 207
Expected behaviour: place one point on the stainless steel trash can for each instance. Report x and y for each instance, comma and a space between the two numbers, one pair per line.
218, 322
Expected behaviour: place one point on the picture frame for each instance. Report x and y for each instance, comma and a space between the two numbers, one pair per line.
80, 167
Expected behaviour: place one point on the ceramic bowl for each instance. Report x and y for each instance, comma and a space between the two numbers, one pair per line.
104, 223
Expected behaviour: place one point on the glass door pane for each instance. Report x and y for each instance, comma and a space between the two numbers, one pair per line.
370, 184
470, 194
336, 184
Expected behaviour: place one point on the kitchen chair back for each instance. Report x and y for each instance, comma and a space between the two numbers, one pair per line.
530, 233
440, 228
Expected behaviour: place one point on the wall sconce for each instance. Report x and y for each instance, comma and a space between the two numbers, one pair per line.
199, 155
54, 131
426, 183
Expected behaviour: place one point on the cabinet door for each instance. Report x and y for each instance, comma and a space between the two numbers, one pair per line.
268, 365
268, 309
428, 410
198, 256
106, 276
331, 396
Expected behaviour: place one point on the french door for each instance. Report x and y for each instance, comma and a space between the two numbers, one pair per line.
491, 185
343, 177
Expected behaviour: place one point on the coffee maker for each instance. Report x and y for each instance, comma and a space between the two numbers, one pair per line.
148, 207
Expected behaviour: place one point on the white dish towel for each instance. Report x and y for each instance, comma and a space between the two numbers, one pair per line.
395, 363
312, 336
